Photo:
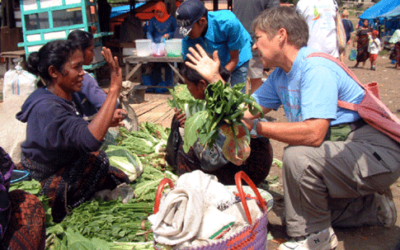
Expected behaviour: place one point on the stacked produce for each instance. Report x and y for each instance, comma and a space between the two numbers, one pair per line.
113, 224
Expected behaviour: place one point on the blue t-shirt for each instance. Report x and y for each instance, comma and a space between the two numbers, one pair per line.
155, 29
225, 33
311, 89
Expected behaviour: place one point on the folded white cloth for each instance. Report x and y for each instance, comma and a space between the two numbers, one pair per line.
214, 193
241, 221
215, 223
179, 218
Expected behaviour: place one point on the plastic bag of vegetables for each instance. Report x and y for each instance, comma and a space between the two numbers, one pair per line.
126, 161
224, 107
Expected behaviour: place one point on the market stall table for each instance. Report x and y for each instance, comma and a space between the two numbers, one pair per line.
140, 60
9, 55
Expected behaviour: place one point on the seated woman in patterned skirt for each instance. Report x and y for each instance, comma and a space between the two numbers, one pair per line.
62, 150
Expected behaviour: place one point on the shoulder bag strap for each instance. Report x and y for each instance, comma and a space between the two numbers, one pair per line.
342, 104
348, 105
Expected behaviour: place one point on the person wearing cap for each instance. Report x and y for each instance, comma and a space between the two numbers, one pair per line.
337, 169
246, 11
349, 29
374, 47
218, 30
161, 27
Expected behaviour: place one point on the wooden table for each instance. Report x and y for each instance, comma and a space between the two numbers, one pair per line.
9, 55
140, 60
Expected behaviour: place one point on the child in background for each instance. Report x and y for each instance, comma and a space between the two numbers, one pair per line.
374, 48
397, 55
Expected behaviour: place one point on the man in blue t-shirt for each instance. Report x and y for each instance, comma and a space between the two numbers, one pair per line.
219, 30
337, 169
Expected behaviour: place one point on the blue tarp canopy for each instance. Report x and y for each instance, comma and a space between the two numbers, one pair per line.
379, 9
393, 13
116, 11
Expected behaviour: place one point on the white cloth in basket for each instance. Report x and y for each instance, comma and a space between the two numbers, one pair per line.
181, 212
214, 193
179, 217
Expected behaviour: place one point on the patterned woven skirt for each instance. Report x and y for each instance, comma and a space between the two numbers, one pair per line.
22, 217
26, 228
73, 185
257, 166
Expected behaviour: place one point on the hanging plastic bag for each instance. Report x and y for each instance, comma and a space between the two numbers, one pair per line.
18, 82
237, 155
353, 55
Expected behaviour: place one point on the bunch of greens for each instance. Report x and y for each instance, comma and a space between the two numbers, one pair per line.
72, 240
182, 99
110, 220
151, 138
225, 105
146, 186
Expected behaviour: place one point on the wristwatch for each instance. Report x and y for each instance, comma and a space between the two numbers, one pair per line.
253, 132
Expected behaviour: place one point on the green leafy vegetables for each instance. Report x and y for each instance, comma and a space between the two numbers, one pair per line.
113, 225
182, 99
224, 105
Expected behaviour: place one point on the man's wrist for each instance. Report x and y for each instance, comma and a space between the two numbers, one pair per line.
253, 132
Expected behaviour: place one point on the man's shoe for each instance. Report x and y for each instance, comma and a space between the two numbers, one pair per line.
387, 214
322, 240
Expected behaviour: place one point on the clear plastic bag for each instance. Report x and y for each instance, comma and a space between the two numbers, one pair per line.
239, 156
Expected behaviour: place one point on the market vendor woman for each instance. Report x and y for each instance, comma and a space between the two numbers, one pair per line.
61, 149
212, 161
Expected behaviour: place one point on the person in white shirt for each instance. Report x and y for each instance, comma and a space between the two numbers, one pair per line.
374, 47
320, 16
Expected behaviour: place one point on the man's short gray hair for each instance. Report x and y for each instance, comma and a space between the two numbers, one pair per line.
273, 19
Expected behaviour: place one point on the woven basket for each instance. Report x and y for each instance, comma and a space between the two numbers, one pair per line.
252, 237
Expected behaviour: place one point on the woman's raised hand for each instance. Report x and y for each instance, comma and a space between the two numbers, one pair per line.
118, 116
208, 68
116, 71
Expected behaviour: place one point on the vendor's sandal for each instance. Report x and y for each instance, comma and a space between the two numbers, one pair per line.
322, 240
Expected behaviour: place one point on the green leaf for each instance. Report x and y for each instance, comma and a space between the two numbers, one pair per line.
192, 124
239, 86
277, 162
32, 187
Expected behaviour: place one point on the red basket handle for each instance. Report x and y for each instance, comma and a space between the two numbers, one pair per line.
159, 192
238, 179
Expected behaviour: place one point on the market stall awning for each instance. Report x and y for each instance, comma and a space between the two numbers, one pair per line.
116, 11
379, 9
393, 13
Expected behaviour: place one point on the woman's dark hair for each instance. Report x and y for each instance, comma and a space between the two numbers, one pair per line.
82, 38
194, 77
54, 53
